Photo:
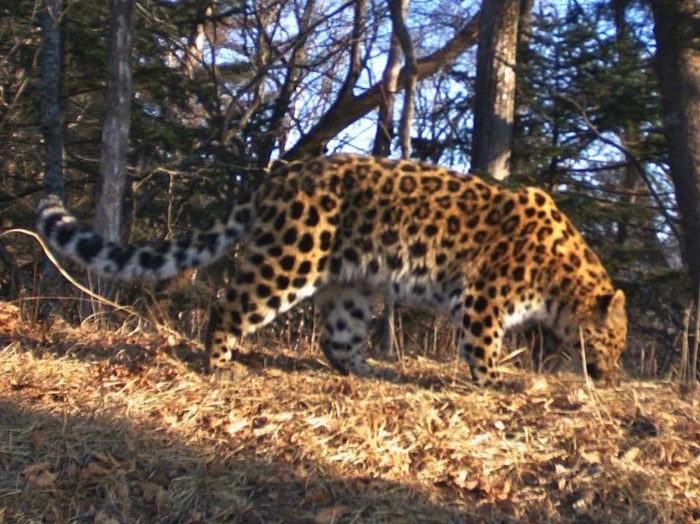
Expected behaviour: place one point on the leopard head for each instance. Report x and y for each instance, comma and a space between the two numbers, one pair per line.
604, 335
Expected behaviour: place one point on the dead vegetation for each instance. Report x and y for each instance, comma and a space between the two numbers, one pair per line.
109, 428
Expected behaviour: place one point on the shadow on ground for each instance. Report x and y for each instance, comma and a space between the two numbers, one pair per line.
57, 469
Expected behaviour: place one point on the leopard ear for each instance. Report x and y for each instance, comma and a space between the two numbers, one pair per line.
611, 302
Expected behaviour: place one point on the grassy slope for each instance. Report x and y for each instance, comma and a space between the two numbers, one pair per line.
105, 428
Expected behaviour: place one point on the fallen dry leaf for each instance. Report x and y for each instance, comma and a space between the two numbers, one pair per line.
592, 457
37, 439
102, 517
154, 494
39, 476
317, 496
93, 469
465, 480
331, 514
276, 443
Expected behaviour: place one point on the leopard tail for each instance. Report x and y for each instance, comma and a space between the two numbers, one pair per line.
150, 261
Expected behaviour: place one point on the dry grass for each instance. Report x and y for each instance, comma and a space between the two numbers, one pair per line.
108, 428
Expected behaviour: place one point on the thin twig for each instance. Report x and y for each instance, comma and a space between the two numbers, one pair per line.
82, 288
696, 346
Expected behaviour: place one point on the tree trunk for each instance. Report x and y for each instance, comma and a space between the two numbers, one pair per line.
382, 147
398, 9
525, 20
115, 133
494, 99
676, 25
400, 39
49, 89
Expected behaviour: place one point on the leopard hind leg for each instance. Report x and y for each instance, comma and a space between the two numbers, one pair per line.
257, 295
346, 313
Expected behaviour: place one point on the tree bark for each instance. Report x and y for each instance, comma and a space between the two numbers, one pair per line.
115, 132
525, 20
385, 117
676, 24
494, 99
50, 106
355, 107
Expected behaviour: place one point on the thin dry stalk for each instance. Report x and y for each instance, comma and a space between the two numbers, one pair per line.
589, 383
399, 339
92, 295
696, 346
684, 365
510, 356
540, 362
36, 282
65, 273
584, 368
435, 334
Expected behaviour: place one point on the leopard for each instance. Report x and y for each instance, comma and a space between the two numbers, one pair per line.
347, 229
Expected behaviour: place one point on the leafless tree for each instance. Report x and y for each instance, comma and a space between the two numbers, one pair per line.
115, 131
332, 122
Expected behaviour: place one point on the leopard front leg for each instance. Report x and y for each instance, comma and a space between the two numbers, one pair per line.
346, 313
480, 339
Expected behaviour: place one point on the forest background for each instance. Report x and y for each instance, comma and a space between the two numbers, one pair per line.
148, 116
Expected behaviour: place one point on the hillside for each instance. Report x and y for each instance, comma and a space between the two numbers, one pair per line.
110, 428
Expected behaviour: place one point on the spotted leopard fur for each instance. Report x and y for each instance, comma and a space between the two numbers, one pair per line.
347, 228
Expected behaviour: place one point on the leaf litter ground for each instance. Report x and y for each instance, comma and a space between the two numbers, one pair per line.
112, 428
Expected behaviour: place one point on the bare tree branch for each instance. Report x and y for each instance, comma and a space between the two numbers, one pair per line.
341, 116
291, 83
354, 68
